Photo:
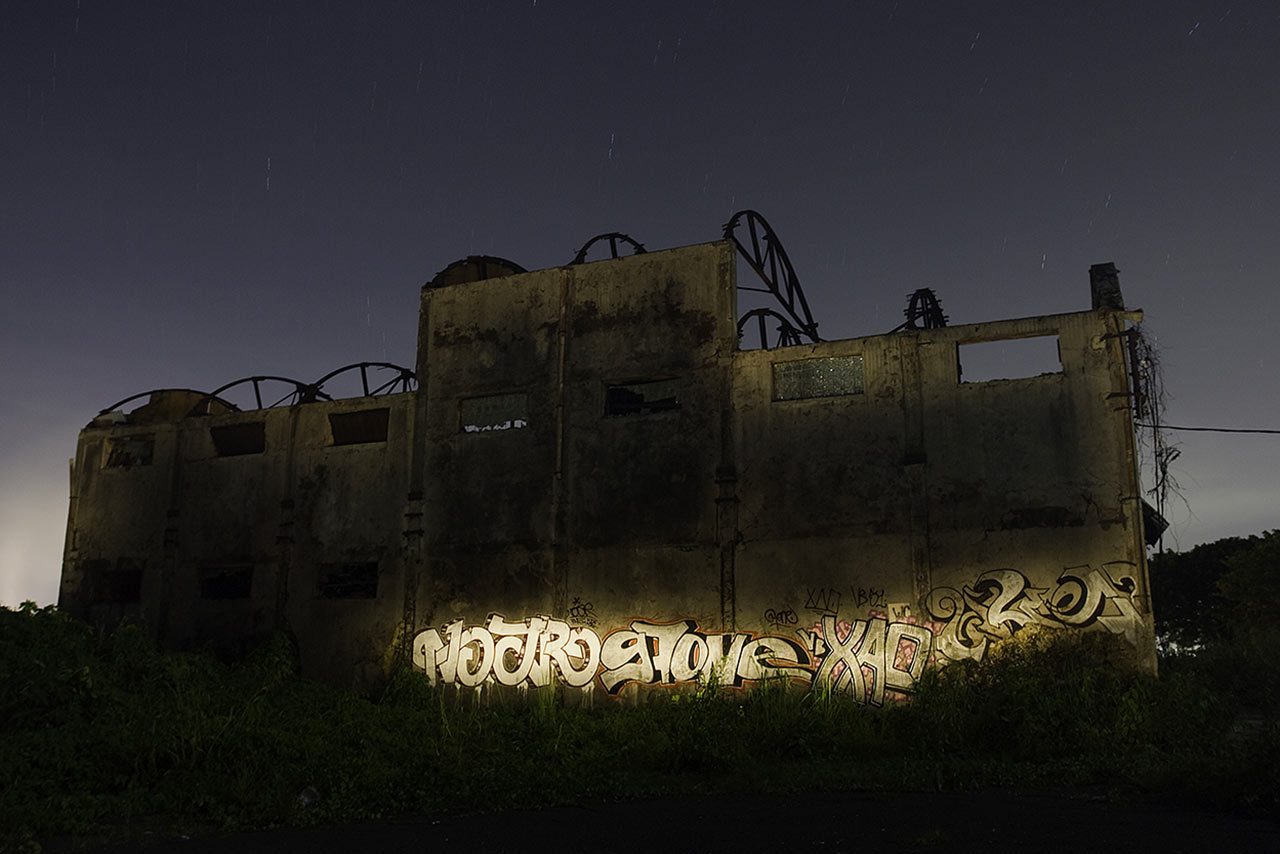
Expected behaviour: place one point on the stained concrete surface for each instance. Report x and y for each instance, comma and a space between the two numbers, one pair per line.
1000, 820
888, 478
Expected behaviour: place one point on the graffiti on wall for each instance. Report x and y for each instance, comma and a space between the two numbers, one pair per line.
869, 658
868, 597
1002, 601
582, 613
824, 600
780, 617
541, 650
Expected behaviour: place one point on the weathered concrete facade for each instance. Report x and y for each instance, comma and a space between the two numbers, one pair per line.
593, 486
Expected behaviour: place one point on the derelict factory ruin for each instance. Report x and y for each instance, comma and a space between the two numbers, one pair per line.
587, 481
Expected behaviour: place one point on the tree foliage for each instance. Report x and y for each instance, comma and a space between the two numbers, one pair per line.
1215, 589
1253, 584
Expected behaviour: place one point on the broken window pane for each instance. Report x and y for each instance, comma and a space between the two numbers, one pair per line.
827, 377
226, 582
126, 451
348, 581
1008, 359
495, 412
641, 398
233, 440
356, 428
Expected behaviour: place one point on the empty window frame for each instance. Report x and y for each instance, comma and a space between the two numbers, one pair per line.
226, 582
641, 398
830, 376
234, 440
359, 428
129, 451
1008, 359
493, 412
121, 584
348, 580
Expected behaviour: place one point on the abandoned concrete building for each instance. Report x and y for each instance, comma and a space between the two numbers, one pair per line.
588, 481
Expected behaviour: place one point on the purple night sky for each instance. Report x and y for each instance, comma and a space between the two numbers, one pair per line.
193, 192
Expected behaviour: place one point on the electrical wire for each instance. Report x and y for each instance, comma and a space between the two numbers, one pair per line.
1207, 429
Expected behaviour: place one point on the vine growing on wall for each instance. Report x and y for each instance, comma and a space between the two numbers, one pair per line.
1156, 452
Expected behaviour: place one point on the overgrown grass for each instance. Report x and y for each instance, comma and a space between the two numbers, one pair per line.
107, 738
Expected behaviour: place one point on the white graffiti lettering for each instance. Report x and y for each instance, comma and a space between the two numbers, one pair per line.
887, 651
1002, 601
648, 653
538, 650
874, 655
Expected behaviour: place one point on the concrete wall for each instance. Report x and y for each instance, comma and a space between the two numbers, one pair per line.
593, 487
576, 504
972, 508
190, 519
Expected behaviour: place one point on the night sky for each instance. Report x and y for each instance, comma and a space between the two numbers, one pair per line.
193, 192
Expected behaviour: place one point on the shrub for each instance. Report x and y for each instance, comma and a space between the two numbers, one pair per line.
110, 737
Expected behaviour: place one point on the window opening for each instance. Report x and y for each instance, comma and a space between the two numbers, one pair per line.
641, 398
1008, 359
226, 582
358, 428
349, 580
234, 440
123, 584
493, 412
832, 376
129, 451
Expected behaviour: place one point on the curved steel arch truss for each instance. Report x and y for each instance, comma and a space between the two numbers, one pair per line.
206, 400
614, 238
788, 335
302, 392
923, 311
474, 268
763, 251
404, 379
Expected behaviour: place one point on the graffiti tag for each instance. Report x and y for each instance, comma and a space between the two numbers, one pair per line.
1002, 601
870, 656
864, 658
582, 613
541, 650
824, 600
537, 650
782, 617
671, 653
868, 597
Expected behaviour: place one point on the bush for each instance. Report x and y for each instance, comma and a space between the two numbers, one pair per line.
47, 668
108, 737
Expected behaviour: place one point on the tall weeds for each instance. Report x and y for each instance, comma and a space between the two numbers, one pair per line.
107, 737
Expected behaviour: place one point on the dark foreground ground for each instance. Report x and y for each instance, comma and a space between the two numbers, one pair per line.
998, 820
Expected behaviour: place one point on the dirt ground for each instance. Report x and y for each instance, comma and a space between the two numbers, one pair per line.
997, 820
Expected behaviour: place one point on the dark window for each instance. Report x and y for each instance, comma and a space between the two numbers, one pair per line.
494, 412
122, 584
126, 451
233, 440
833, 376
226, 582
1008, 359
358, 428
349, 581
641, 398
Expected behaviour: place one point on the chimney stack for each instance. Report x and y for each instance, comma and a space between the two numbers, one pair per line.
1104, 282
